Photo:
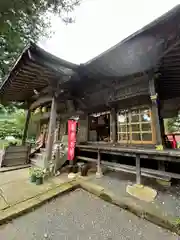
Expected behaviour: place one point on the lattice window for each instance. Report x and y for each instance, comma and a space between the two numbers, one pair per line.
135, 126
123, 126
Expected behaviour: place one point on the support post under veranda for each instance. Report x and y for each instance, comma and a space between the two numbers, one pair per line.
99, 169
138, 170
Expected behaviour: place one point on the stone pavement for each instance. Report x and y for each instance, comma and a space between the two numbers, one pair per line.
18, 195
80, 215
168, 198
15, 187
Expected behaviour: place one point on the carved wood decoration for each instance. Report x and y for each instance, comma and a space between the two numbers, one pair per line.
82, 135
70, 106
41, 101
109, 91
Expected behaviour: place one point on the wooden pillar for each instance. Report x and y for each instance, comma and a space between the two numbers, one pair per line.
59, 130
56, 137
162, 129
51, 132
26, 127
82, 136
113, 128
138, 170
87, 128
99, 170
38, 129
155, 112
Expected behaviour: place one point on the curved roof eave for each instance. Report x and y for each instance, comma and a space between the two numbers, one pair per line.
24, 76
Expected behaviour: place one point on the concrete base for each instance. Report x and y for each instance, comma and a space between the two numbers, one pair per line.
71, 176
142, 192
99, 174
164, 183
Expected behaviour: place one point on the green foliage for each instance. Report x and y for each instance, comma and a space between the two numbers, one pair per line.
173, 124
11, 108
177, 221
12, 124
39, 173
6, 143
32, 171
22, 21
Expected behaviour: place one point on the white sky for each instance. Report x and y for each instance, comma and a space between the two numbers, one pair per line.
101, 24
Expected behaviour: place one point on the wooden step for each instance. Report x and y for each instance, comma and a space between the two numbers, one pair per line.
43, 150
37, 162
38, 155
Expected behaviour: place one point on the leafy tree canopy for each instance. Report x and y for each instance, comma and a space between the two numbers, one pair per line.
12, 124
173, 124
22, 21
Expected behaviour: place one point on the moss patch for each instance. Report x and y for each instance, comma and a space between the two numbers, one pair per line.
142, 192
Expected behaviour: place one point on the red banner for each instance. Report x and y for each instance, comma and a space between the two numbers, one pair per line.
71, 139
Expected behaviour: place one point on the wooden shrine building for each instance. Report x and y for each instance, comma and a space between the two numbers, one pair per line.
121, 97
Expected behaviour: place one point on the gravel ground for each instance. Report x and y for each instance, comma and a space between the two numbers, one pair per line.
167, 198
81, 216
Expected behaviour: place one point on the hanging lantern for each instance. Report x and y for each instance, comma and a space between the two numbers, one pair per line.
44, 109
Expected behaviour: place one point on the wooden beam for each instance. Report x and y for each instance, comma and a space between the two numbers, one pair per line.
30, 80
155, 111
33, 73
57, 132
46, 90
113, 123
70, 106
67, 115
40, 67
52, 128
26, 127
40, 101
132, 169
149, 154
169, 49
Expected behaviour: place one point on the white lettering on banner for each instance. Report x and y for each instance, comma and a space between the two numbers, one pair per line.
73, 127
71, 138
73, 135
72, 144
